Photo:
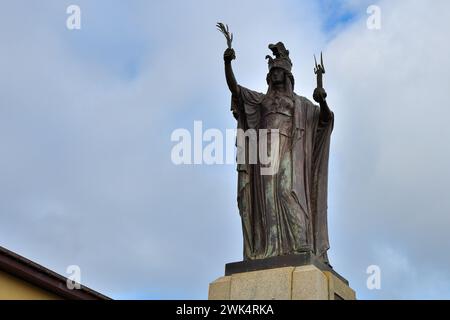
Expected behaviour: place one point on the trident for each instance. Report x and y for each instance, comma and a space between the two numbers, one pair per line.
319, 70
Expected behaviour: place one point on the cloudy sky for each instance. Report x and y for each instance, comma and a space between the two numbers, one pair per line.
86, 117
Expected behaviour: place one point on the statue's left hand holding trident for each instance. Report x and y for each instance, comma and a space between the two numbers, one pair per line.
320, 94
228, 56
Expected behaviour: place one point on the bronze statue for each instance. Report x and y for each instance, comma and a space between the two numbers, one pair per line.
284, 213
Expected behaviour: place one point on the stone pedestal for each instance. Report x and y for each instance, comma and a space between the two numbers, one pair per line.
304, 282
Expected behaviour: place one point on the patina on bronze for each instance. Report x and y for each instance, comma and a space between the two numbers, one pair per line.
284, 213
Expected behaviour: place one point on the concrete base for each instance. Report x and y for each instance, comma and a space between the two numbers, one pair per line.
288, 283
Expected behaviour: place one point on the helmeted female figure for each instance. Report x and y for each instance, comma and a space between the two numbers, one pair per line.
284, 212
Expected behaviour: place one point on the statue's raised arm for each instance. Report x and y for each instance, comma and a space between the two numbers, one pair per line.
228, 56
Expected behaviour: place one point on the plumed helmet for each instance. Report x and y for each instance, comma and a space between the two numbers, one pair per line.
281, 57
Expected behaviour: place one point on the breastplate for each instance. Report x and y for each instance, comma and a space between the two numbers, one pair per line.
277, 113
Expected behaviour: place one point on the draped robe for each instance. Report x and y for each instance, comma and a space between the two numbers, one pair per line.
285, 213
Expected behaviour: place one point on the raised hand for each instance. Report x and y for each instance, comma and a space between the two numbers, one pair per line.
319, 95
229, 55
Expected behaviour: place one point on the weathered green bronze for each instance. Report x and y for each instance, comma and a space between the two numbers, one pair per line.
284, 213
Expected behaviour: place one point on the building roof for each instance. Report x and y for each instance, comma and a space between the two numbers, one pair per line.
44, 278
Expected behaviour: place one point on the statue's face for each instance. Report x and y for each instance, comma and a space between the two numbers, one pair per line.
277, 75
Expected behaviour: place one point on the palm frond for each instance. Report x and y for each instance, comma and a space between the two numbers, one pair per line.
223, 28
